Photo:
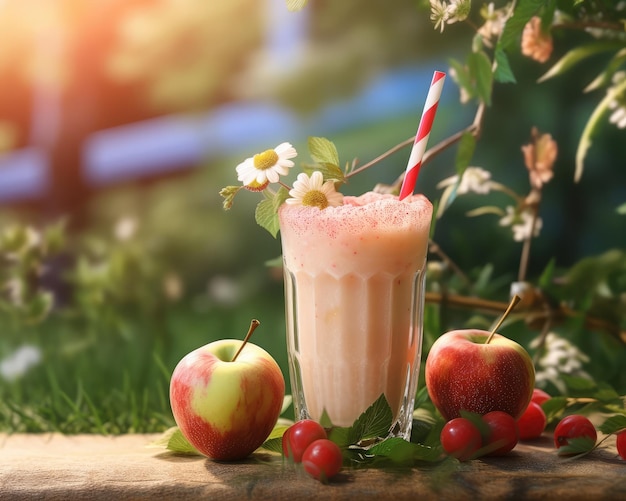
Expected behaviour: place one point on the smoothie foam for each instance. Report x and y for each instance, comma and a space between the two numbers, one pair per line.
352, 273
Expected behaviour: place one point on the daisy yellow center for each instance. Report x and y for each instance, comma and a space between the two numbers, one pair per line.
315, 198
265, 160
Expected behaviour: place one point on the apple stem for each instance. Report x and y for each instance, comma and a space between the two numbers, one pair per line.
516, 299
253, 325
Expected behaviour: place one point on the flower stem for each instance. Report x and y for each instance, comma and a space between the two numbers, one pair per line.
382, 156
525, 257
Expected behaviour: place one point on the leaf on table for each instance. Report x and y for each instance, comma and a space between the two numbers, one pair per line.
173, 440
400, 452
577, 446
375, 422
613, 424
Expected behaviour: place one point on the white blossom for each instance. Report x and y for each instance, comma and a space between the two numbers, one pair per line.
560, 357
19, 362
521, 223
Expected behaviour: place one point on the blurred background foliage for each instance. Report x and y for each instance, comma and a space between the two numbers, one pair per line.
106, 287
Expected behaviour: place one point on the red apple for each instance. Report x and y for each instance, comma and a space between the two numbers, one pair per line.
226, 409
465, 373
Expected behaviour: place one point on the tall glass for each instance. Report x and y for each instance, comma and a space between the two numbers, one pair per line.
354, 298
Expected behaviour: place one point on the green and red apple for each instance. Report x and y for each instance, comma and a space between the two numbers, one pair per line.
463, 372
226, 409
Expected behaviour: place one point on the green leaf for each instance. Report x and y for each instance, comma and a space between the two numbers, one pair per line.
487, 209
325, 420
480, 70
462, 77
179, 444
14, 239
278, 431
613, 424
174, 440
554, 407
606, 394
323, 151
340, 435
296, 5
465, 152
477, 421
621, 210
591, 125
287, 399
577, 446
228, 193
275, 262
575, 383
54, 236
485, 277
524, 10
375, 422
396, 449
328, 170
401, 452
503, 72
273, 445
545, 280
606, 76
39, 306
575, 56
274, 442
266, 213
421, 398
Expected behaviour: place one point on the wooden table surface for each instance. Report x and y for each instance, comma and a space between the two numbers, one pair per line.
54, 466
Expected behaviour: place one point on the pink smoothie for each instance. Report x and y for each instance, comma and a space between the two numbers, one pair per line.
352, 331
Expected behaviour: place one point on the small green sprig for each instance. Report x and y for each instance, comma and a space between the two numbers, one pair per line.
364, 444
325, 160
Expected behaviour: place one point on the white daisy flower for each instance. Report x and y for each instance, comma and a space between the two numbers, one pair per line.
314, 192
266, 167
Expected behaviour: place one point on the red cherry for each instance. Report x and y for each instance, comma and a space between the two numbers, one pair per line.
573, 426
540, 396
299, 436
502, 430
322, 459
461, 438
532, 423
620, 442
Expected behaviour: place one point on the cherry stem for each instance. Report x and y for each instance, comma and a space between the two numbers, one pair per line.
253, 325
516, 299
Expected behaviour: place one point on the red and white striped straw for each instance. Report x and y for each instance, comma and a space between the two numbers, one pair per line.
423, 131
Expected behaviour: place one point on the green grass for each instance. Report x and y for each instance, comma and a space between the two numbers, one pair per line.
108, 384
